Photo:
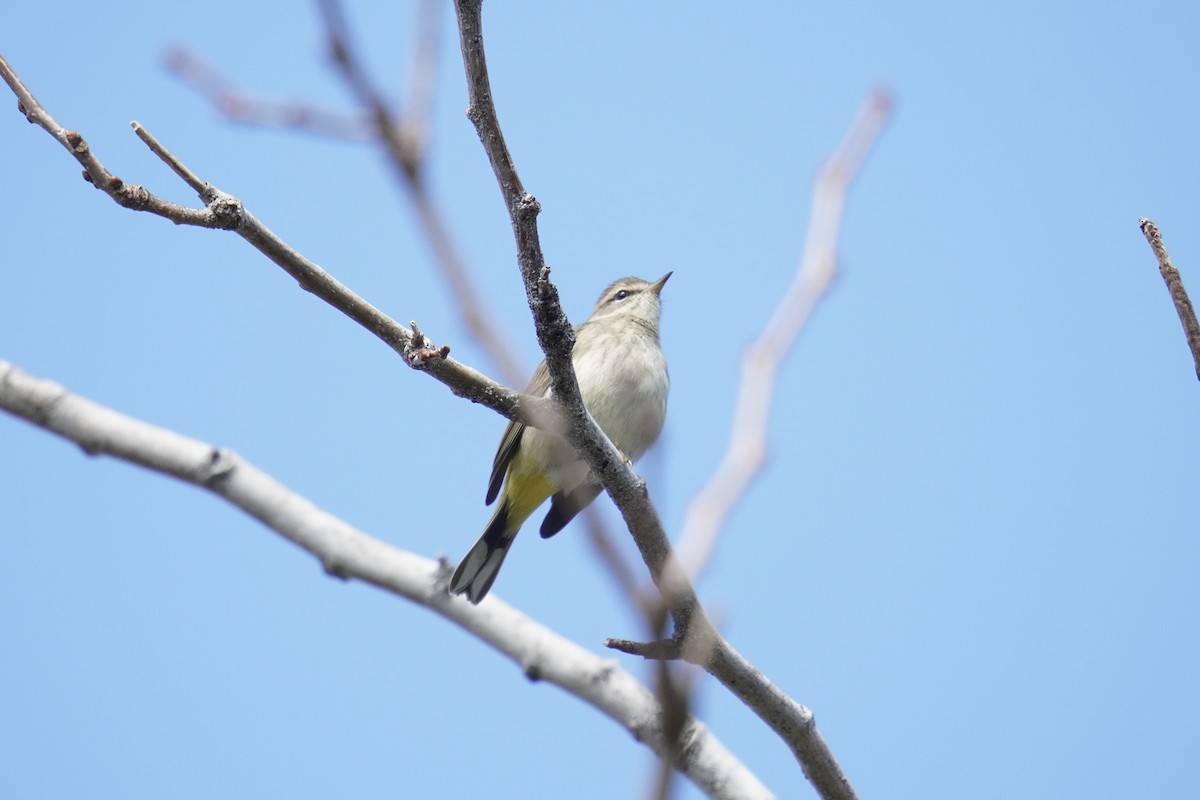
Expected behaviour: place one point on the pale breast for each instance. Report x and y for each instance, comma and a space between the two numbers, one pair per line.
625, 385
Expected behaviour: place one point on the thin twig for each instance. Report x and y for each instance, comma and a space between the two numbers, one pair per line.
131, 196
673, 690
178, 167
606, 549
405, 134
387, 124
422, 73
347, 553
1179, 295
237, 105
746, 451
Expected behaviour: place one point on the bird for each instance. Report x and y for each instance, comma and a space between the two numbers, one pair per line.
624, 382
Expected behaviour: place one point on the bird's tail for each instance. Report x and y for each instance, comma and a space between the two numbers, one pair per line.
479, 568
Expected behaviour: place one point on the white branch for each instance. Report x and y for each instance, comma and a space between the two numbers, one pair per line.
349, 553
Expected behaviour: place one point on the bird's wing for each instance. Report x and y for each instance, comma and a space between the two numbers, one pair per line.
539, 386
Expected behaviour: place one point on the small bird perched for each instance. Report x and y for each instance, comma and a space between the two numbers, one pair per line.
623, 379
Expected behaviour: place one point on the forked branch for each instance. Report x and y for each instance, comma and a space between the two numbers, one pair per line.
224, 211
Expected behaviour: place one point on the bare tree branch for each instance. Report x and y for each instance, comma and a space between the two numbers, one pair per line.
696, 639
673, 691
347, 553
405, 136
422, 72
226, 212
131, 196
1179, 295
747, 448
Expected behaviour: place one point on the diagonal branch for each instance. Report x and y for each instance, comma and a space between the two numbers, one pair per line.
131, 196
1179, 295
240, 106
406, 144
347, 553
747, 448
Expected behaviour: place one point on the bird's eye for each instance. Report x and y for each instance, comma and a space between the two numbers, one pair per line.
621, 295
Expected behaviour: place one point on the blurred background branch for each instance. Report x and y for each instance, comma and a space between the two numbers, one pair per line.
747, 448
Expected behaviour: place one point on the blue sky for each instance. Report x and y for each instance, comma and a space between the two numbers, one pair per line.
972, 552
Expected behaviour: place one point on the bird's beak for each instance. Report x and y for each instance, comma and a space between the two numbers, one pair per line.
656, 287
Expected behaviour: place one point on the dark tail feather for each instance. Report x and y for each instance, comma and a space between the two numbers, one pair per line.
478, 569
565, 505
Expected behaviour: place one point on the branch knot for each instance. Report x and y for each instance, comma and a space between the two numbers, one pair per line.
217, 468
227, 211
